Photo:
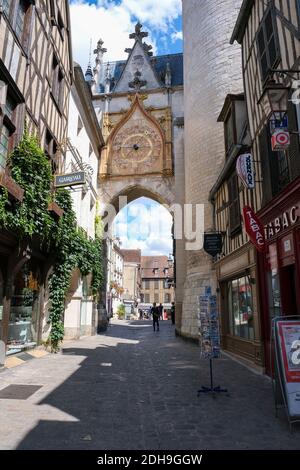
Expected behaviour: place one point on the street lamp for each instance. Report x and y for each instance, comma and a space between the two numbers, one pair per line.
275, 99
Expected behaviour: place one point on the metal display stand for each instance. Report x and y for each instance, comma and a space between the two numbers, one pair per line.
209, 336
277, 372
211, 389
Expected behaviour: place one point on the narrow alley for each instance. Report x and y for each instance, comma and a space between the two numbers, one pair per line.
132, 388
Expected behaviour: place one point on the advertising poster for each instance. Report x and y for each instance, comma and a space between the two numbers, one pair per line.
289, 351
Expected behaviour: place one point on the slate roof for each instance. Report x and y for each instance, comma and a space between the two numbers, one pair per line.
158, 62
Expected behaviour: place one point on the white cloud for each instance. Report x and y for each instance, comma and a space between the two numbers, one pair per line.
114, 22
148, 227
158, 13
177, 36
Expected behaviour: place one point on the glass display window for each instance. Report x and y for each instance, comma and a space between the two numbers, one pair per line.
240, 308
24, 309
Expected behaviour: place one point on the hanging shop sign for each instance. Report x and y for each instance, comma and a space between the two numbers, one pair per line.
280, 140
245, 170
70, 179
213, 243
288, 343
279, 124
254, 229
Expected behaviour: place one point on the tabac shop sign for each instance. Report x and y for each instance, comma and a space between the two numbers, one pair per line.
70, 179
254, 229
285, 221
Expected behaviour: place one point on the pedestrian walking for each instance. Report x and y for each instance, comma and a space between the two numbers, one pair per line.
155, 316
161, 308
173, 313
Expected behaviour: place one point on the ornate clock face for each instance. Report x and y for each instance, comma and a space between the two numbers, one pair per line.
137, 147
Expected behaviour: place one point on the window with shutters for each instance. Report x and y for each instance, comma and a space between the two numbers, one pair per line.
167, 298
146, 284
267, 44
156, 298
147, 298
234, 204
156, 284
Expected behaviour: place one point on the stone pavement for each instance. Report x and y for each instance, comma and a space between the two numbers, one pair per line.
132, 388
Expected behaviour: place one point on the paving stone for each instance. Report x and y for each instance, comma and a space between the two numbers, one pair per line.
153, 406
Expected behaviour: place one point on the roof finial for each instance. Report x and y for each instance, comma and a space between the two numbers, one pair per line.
89, 74
138, 34
137, 83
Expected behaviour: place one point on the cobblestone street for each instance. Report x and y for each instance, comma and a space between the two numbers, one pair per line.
132, 388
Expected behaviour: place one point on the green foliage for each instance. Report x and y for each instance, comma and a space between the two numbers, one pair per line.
121, 311
31, 169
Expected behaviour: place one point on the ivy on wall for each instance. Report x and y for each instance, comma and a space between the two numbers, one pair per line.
31, 169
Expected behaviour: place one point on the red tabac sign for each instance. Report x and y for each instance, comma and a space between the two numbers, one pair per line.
254, 229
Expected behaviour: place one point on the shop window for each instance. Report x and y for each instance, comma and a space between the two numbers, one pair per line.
267, 44
240, 308
234, 204
24, 309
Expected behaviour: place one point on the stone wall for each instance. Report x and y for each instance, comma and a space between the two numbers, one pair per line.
212, 69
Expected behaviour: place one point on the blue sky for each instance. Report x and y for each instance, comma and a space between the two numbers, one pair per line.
144, 224
114, 20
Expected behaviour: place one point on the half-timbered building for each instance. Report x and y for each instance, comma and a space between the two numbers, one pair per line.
254, 286
35, 80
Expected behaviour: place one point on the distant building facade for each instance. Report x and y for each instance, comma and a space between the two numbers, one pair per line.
157, 281
132, 280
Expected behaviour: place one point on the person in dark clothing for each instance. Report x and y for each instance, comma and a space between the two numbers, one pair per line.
160, 308
173, 313
155, 316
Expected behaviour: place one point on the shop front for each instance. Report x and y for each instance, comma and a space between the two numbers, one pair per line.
279, 266
238, 304
21, 295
